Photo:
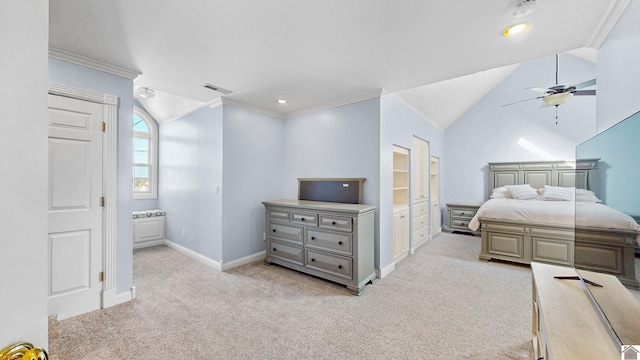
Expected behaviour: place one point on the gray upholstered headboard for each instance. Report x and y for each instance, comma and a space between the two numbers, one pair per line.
583, 174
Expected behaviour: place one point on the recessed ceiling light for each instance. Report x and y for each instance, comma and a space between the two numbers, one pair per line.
282, 101
517, 29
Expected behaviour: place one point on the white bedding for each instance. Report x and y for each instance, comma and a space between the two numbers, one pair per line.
555, 212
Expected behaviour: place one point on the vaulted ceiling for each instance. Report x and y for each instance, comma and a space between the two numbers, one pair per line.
439, 56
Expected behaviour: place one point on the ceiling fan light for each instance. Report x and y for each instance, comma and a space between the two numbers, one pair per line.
557, 99
516, 29
146, 93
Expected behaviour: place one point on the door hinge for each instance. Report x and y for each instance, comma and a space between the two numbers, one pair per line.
102, 201
104, 126
101, 276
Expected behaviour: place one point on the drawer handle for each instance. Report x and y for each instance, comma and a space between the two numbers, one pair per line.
462, 213
312, 259
274, 249
339, 266
339, 242
333, 223
301, 219
313, 238
274, 230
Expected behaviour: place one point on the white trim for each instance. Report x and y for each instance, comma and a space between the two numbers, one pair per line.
153, 136
607, 23
243, 260
381, 273
194, 255
114, 299
220, 266
215, 103
417, 245
93, 63
417, 112
333, 104
249, 107
109, 179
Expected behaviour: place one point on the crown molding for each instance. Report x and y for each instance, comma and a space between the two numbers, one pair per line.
607, 22
215, 103
416, 111
93, 63
81, 94
249, 107
333, 104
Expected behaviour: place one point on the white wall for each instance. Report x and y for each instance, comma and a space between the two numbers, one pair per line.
252, 173
618, 70
24, 37
489, 132
343, 142
190, 169
62, 72
398, 125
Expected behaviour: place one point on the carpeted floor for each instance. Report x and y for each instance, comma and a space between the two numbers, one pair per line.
440, 303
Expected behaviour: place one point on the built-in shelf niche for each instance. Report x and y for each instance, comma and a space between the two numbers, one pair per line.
400, 176
434, 179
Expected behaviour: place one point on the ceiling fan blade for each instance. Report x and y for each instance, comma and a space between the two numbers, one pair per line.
584, 92
542, 90
539, 97
585, 84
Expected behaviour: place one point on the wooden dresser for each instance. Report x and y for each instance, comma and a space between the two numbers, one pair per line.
333, 241
566, 323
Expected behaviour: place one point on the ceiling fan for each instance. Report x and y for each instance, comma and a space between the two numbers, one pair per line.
559, 93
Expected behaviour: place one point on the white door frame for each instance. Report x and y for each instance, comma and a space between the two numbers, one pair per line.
109, 172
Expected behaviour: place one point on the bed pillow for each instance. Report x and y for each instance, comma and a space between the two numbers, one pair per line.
500, 193
557, 193
583, 195
522, 192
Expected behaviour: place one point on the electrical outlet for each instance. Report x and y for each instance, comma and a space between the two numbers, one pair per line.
264, 236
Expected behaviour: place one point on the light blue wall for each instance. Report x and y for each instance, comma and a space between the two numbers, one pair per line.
619, 167
252, 173
398, 125
190, 170
618, 70
489, 132
62, 72
343, 142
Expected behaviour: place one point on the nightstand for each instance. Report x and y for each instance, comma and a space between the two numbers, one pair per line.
459, 217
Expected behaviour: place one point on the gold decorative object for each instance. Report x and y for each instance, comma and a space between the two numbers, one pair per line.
23, 351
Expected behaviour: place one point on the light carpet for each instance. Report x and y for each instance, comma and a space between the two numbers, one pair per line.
440, 303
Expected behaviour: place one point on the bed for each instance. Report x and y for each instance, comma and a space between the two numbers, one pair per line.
546, 229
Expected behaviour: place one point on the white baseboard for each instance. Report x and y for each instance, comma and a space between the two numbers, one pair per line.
381, 273
110, 298
220, 266
244, 260
196, 256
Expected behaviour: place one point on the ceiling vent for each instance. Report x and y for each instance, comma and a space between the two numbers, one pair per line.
218, 89
522, 8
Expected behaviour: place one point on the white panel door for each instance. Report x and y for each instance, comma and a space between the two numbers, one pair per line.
75, 211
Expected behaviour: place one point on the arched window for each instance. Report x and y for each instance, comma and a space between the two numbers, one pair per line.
145, 156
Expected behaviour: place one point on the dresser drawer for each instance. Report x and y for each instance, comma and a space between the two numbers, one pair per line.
420, 209
421, 235
278, 214
285, 232
332, 241
305, 219
420, 222
460, 223
468, 213
286, 252
335, 222
333, 264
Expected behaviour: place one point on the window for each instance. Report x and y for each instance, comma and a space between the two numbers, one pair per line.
145, 156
